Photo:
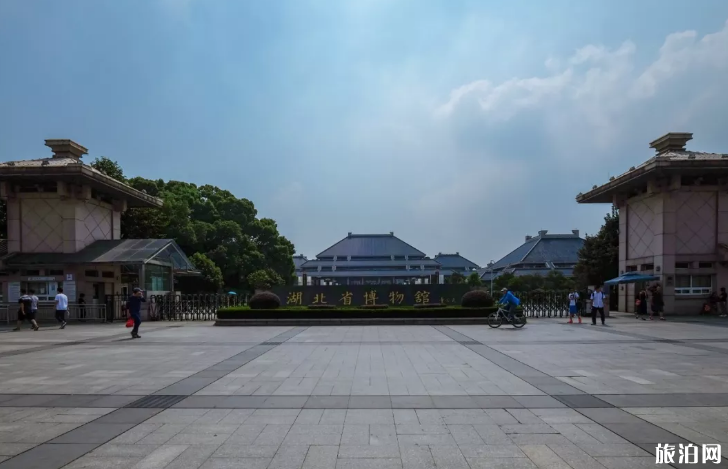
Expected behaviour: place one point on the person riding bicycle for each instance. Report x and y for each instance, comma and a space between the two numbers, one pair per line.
509, 302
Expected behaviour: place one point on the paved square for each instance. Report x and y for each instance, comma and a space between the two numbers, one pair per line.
191, 395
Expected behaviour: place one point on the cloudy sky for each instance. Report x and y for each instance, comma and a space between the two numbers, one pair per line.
461, 125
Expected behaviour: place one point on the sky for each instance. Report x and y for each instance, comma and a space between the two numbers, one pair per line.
460, 125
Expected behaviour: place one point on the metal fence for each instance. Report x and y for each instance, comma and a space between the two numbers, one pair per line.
47, 313
549, 304
174, 307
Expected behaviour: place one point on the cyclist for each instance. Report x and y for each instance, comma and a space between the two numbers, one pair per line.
509, 302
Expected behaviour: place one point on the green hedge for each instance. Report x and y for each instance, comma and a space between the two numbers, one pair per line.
353, 313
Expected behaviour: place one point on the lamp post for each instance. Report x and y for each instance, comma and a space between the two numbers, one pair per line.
491, 277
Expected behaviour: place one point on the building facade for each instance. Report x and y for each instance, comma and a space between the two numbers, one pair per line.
673, 222
370, 259
454, 263
64, 230
539, 255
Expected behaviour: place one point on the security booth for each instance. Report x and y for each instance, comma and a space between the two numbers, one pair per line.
64, 230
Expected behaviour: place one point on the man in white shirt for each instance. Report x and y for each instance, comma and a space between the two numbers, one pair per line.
61, 307
597, 298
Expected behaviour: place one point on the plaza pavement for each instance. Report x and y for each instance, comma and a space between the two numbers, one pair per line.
191, 395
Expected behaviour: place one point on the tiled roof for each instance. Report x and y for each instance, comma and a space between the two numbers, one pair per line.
299, 260
455, 261
117, 251
559, 248
371, 245
342, 264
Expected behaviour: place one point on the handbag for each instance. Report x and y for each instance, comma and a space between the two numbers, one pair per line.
130, 322
638, 302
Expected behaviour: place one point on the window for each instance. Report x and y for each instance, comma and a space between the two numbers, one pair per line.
648, 266
32, 273
705, 265
91, 273
693, 284
682, 265
107, 274
55, 272
631, 268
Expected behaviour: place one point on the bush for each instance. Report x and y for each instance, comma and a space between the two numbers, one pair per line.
477, 299
430, 305
264, 300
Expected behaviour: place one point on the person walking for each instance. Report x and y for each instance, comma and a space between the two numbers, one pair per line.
641, 304
597, 298
61, 308
134, 309
573, 308
658, 303
723, 299
25, 311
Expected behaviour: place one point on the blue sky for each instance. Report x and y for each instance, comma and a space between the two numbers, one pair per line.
459, 125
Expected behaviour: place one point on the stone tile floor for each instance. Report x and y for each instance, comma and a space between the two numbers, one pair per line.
196, 396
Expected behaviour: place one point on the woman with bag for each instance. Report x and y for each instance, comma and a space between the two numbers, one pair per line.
641, 305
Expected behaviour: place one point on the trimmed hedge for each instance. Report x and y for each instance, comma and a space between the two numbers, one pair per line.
264, 300
430, 305
477, 299
354, 313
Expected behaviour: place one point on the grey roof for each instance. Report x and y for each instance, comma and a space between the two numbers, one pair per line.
521, 272
455, 261
299, 260
371, 245
343, 264
372, 273
116, 251
559, 248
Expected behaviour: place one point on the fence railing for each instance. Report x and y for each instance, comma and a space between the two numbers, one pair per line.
549, 304
173, 307
47, 313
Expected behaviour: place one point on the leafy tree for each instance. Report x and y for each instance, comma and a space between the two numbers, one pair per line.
474, 280
213, 222
599, 257
264, 279
211, 273
555, 280
456, 278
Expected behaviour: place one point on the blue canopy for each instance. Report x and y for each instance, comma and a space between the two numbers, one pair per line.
631, 277
232, 293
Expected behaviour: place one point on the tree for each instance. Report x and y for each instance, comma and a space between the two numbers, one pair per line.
211, 273
456, 278
264, 279
555, 280
474, 280
599, 257
109, 167
210, 221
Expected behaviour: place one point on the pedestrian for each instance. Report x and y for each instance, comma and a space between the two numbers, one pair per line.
573, 308
25, 311
82, 307
33, 303
641, 304
658, 303
597, 298
134, 309
61, 307
722, 306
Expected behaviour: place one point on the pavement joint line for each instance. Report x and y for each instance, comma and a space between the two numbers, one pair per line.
254, 352
683, 342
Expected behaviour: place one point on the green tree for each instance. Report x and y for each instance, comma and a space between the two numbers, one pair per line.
211, 273
474, 280
109, 167
599, 257
456, 278
555, 280
264, 279
210, 221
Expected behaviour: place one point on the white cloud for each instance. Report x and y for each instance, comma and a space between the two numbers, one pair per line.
595, 81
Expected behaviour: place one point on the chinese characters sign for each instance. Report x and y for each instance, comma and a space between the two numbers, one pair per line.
687, 454
360, 295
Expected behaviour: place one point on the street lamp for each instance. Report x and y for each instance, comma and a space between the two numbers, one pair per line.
491, 277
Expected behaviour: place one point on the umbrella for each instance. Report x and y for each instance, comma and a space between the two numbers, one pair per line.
631, 277
232, 293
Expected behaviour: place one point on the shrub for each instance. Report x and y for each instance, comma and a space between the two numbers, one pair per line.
477, 299
375, 306
264, 300
430, 305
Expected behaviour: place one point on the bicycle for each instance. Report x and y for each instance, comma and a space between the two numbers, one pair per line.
496, 319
